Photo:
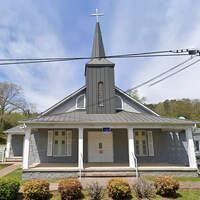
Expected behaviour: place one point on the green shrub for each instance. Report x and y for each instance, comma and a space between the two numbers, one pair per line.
166, 186
9, 189
144, 189
36, 190
118, 189
95, 191
70, 189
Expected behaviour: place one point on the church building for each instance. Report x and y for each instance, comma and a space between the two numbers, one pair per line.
100, 130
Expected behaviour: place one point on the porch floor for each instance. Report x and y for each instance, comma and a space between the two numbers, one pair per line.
105, 166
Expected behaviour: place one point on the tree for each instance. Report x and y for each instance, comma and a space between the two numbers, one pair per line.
135, 95
13, 106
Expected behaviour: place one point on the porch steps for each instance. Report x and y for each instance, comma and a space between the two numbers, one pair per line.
90, 174
14, 159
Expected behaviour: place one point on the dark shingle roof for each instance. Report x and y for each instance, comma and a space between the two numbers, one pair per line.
80, 116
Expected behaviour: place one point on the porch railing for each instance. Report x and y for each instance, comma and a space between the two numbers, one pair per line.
136, 165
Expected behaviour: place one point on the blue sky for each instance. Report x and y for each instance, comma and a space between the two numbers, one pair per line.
65, 28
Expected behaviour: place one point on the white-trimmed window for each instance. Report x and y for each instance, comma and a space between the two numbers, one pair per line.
80, 102
143, 143
118, 102
59, 143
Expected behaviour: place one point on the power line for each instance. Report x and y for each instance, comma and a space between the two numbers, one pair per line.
111, 56
172, 74
183, 52
161, 74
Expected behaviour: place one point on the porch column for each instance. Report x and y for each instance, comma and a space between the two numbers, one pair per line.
80, 148
131, 148
191, 150
26, 148
8, 145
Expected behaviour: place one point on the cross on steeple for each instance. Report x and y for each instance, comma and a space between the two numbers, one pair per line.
97, 15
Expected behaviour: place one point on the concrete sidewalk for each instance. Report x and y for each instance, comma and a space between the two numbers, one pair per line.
9, 169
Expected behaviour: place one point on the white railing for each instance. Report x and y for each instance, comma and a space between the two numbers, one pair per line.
81, 157
136, 165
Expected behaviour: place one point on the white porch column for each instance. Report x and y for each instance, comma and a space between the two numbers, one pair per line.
131, 148
191, 150
26, 147
8, 145
80, 148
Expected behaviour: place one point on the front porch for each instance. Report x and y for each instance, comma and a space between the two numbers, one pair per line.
93, 170
153, 151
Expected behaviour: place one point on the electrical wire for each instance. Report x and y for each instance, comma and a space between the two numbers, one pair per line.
172, 74
161, 74
70, 59
112, 56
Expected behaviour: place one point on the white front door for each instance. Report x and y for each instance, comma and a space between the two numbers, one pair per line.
100, 147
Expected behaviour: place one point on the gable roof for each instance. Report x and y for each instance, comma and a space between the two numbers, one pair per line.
135, 101
83, 88
122, 117
63, 101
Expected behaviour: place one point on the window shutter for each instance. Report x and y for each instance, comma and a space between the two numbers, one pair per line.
150, 143
69, 143
50, 143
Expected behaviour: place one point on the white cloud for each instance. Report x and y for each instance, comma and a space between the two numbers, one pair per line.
173, 25
30, 34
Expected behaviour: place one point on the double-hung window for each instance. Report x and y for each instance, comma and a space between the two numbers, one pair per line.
141, 143
59, 143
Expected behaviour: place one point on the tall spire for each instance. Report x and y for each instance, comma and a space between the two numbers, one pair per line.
98, 48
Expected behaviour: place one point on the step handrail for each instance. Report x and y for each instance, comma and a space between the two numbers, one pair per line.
136, 165
80, 167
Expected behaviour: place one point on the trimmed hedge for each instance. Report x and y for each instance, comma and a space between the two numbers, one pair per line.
70, 189
36, 190
118, 189
166, 186
9, 189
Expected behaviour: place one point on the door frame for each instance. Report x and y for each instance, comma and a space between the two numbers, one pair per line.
112, 148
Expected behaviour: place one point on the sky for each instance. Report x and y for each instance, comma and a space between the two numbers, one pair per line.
36, 29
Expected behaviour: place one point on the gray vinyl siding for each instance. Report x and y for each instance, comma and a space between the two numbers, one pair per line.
17, 145
38, 148
130, 106
94, 75
168, 148
67, 106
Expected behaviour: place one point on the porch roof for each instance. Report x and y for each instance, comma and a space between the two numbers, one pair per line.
17, 129
80, 116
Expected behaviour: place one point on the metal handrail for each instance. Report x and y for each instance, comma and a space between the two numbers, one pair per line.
80, 167
136, 165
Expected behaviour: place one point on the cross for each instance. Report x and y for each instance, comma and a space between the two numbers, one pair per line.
97, 15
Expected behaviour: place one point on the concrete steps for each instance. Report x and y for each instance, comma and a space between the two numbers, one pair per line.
107, 174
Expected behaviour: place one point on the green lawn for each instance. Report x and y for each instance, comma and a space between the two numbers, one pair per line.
2, 166
182, 195
190, 179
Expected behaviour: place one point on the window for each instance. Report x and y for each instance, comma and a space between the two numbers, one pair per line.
80, 102
59, 147
100, 93
141, 145
118, 102
196, 144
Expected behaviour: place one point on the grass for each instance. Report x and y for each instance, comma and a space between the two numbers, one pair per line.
2, 166
182, 179
181, 195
